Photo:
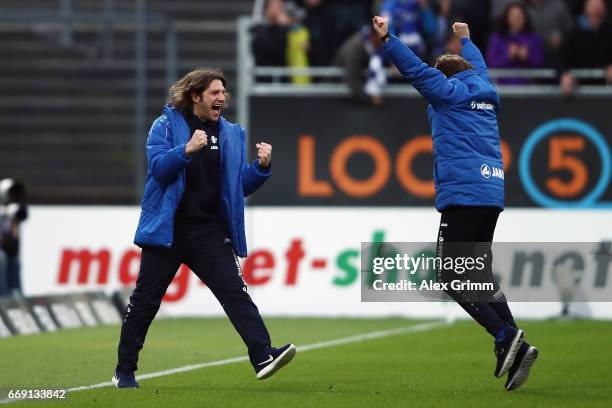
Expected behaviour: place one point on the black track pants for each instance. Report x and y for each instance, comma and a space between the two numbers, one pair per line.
206, 250
474, 225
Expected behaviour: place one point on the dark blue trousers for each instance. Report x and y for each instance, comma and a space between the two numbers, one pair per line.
207, 251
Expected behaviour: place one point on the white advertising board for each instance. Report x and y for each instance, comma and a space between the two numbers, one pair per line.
302, 261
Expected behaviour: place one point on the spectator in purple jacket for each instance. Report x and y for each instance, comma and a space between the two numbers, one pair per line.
515, 44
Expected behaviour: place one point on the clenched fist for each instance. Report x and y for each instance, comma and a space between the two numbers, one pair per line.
381, 25
264, 154
461, 30
197, 142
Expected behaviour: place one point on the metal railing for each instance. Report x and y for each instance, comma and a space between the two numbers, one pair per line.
278, 73
66, 17
328, 81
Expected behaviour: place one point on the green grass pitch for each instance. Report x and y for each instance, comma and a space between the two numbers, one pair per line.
447, 366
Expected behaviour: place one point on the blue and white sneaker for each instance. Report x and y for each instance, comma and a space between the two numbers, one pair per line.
519, 372
125, 380
506, 350
277, 358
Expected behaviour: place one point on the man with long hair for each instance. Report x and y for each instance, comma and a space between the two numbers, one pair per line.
469, 179
192, 212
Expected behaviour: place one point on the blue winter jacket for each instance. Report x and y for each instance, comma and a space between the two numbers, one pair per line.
468, 167
165, 181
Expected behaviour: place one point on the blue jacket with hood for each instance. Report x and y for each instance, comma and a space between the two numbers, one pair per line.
165, 182
468, 167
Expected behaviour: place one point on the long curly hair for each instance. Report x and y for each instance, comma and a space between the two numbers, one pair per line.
196, 81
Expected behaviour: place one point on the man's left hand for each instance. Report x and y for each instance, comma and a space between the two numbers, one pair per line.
264, 154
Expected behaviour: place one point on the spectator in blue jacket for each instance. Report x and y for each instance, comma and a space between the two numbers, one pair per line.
469, 180
193, 213
411, 21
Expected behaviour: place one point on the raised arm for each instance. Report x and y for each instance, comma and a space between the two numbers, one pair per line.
470, 51
255, 174
428, 81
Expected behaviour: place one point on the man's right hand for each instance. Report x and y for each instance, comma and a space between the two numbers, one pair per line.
380, 25
461, 30
197, 142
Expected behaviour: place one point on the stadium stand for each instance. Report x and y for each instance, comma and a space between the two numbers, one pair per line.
69, 99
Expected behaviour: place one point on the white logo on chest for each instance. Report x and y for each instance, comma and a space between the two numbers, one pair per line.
213, 140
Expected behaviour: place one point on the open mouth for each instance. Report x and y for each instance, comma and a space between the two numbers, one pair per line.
217, 108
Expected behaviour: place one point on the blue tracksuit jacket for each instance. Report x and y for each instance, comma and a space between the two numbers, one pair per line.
165, 181
468, 167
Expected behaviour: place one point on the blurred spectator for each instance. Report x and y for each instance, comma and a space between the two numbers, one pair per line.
552, 21
477, 14
588, 46
330, 23
575, 7
4, 279
442, 34
498, 7
270, 38
13, 211
281, 40
319, 21
297, 52
9, 256
411, 21
354, 56
349, 17
298, 42
515, 45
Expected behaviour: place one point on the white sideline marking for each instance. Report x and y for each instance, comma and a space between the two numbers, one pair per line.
314, 346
